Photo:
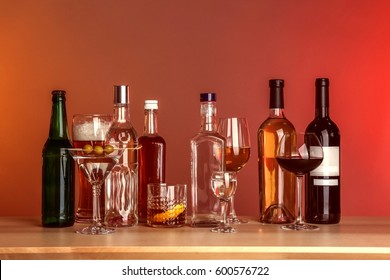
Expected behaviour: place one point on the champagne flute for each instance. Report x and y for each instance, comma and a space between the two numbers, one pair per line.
299, 153
224, 185
237, 151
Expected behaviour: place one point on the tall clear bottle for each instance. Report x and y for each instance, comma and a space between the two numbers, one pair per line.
207, 155
276, 186
323, 183
58, 171
122, 183
152, 156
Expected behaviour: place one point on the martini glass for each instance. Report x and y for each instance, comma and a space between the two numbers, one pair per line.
96, 163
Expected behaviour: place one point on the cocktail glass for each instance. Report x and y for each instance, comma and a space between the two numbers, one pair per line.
96, 163
88, 129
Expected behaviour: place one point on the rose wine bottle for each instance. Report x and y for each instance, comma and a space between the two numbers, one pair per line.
323, 183
276, 185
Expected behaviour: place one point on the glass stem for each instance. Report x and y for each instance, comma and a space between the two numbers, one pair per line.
299, 219
232, 213
223, 212
96, 188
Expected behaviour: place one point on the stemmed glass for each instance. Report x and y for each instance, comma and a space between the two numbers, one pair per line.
299, 153
237, 151
224, 185
95, 161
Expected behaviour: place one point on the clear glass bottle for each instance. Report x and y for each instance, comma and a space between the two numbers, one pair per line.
207, 155
122, 184
58, 173
152, 156
276, 186
323, 183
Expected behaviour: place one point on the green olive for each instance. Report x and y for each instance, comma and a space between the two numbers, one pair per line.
108, 149
87, 149
98, 150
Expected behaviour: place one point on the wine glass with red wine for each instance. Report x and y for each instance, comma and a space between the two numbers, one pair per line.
299, 153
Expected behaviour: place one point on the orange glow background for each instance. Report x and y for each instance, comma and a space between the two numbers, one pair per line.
173, 50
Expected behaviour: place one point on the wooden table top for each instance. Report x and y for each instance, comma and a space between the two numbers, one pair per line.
353, 238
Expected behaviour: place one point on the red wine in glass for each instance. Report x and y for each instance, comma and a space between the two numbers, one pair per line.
299, 153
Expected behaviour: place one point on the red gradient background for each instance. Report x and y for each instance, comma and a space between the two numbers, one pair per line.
173, 50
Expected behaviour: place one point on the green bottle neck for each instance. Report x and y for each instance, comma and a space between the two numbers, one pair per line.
58, 123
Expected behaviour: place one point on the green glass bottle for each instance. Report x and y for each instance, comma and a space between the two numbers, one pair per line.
58, 169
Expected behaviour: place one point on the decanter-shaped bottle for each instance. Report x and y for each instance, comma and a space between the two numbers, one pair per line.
152, 156
58, 171
276, 185
122, 184
207, 156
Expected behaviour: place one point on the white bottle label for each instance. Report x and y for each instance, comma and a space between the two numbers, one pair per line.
330, 165
325, 182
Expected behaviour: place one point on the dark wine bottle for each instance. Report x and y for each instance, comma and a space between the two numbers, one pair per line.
322, 205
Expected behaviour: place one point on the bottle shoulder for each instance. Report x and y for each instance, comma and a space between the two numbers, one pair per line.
276, 124
211, 136
122, 125
323, 124
326, 130
151, 138
122, 133
55, 145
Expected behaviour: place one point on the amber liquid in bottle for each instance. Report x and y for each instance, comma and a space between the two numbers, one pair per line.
152, 156
276, 186
151, 169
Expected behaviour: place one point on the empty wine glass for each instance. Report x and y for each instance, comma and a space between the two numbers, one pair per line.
237, 151
223, 185
299, 153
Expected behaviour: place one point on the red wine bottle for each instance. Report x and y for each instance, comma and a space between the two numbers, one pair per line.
322, 193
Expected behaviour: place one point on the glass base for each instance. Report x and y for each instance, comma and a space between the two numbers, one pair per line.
236, 220
83, 221
95, 230
223, 229
300, 226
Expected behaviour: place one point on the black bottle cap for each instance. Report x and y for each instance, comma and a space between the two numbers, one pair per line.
276, 93
276, 83
322, 82
322, 93
58, 94
208, 97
